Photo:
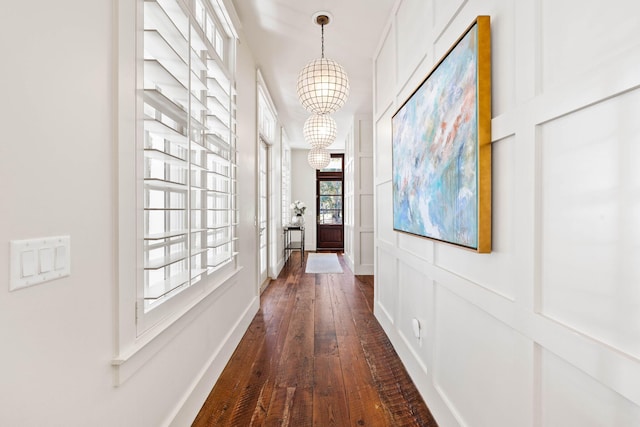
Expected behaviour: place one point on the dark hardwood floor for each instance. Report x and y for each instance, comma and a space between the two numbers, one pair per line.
315, 355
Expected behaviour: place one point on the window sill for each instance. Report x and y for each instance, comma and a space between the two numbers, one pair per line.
135, 356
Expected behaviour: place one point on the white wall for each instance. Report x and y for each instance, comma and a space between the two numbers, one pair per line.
358, 196
303, 187
58, 176
544, 330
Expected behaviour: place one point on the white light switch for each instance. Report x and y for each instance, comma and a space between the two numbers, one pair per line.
46, 260
38, 260
61, 257
28, 263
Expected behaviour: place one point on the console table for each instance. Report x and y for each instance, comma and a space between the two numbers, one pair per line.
293, 245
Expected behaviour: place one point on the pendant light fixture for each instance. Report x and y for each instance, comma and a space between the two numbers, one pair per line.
320, 130
319, 158
323, 85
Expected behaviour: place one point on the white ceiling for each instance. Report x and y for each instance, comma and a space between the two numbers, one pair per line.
284, 38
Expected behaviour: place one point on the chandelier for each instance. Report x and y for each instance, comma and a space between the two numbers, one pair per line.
320, 130
319, 158
323, 85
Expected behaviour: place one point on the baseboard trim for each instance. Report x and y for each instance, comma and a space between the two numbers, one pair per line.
279, 268
349, 260
364, 270
421, 376
194, 398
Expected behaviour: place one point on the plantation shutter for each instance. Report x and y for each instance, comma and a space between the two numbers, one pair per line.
189, 207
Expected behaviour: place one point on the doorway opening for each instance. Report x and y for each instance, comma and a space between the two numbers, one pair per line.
329, 205
263, 214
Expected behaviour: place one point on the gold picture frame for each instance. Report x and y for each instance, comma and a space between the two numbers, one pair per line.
441, 147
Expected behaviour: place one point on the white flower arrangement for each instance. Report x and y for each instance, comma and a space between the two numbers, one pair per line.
298, 207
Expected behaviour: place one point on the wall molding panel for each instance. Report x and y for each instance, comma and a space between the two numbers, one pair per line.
358, 196
544, 327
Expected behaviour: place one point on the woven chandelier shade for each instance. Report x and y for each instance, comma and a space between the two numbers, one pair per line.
320, 130
323, 86
319, 158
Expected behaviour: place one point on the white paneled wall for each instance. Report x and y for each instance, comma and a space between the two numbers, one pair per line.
412, 38
589, 230
570, 398
384, 67
358, 196
303, 188
479, 363
544, 330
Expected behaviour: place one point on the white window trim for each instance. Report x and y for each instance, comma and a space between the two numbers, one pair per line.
266, 107
133, 346
268, 115
286, 179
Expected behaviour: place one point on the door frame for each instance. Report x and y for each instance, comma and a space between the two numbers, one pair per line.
262, 144
329, 176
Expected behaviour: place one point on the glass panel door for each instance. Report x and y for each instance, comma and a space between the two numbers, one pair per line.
263, 212
329, 196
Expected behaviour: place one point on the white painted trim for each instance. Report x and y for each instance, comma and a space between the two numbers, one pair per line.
139, 338
226, 9
364, 270
349, 261
264, 89
279, 268
187, 409
128, 362
418, 373
126, 127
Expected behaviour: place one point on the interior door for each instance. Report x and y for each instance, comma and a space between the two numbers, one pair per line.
330, 229
263, 213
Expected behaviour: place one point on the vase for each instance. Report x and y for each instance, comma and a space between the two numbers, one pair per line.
297, 220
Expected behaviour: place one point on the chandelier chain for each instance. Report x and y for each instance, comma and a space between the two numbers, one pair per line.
323, 85
322, 37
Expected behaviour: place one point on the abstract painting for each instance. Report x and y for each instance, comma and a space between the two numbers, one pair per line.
442, 148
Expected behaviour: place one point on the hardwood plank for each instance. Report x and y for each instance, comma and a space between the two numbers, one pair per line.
275, 338
262, 405
229, 387
366, 285
325, 342
329, 400
301, 413
261, 337
315, 355
394, 385
365, 406
364, 403
296, 367
280, 406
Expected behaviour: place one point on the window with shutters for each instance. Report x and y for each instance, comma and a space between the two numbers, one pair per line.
188, 144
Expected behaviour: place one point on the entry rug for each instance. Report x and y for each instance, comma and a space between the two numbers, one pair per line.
323, 263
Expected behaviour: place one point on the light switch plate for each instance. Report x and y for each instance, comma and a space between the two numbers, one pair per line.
37, 261
46, 260
28, 263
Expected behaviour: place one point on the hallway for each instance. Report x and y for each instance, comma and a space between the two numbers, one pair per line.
315, 355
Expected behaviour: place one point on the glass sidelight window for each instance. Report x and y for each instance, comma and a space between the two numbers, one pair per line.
330, 194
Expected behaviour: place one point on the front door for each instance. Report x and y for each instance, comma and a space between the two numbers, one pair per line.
329, 197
